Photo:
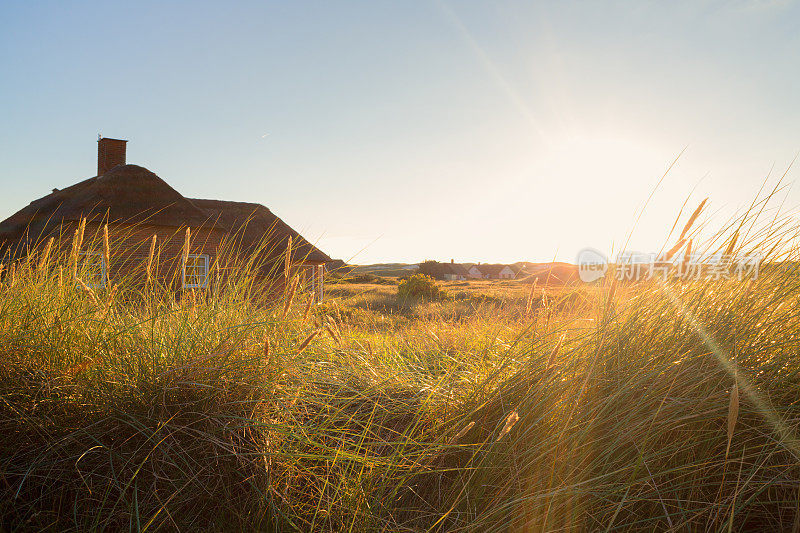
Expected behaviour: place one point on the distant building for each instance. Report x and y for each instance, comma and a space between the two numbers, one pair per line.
487, 271
474, 272
454, 271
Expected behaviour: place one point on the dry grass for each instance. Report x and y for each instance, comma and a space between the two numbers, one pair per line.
637, 407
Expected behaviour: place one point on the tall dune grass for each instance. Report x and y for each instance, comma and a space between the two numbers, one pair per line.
649, 406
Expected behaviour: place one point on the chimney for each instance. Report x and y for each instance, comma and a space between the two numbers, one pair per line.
110, 153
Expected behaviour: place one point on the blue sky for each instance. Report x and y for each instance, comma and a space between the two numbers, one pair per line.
400, 131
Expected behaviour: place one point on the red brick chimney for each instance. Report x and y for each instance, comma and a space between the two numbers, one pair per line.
110, 153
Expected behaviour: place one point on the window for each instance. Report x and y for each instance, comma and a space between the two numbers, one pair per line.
92, 269
317, 282
195, 271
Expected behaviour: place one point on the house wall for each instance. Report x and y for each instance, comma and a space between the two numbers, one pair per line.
130, 248
507, 273
130, 251
475, 273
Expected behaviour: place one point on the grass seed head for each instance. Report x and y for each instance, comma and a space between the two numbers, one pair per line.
732, 246
463, 432
309, 303
529, 303
692, 219
330, 327
81, 230
290, 295
672, 251
106, 255
511, 419
88, 291
287, 267
73, 256
77, 243
45, 254
307, 340
186, 244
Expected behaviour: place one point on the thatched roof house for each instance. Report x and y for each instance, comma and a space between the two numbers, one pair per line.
134, 198
489, 271
454, 271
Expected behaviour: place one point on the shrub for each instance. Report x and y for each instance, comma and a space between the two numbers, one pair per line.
431, 268
420, 286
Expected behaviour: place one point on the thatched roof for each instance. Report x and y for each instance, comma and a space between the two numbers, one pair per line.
250, 223
491, 270
455, 268
125, 194
130, 194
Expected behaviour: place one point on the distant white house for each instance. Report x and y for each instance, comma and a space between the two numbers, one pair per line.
491, 272
474, 272
507, 273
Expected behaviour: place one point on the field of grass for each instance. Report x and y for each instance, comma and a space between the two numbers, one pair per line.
385, 269
635, 407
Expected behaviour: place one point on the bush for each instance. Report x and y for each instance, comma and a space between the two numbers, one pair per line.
420, 286
431, 268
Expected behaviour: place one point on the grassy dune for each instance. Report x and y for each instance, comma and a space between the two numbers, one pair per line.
637, 407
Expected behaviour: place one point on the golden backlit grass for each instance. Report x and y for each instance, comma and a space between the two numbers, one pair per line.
635, 407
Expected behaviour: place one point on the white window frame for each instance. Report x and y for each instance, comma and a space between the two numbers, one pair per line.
207, 261
86, 255
317, 283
